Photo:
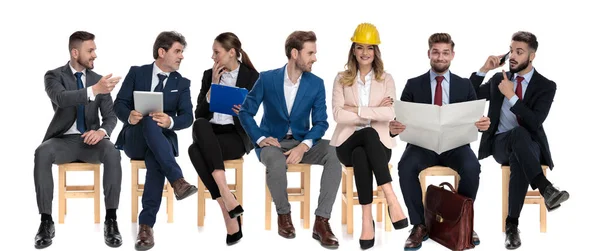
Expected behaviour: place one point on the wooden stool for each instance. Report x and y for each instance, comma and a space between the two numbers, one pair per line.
301, 194
437, 171
236, 188
137, 190
350, 198
87, 191
532, 197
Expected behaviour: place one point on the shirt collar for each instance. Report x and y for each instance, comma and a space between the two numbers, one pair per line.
526, 76
156, 70
432, 76
368, 77
74, 71
287, 77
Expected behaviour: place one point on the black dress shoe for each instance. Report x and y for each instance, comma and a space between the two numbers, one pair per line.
112, 237
366, 244
237, 211
513, 240
398, 224
44, 235
235, 237
554, 197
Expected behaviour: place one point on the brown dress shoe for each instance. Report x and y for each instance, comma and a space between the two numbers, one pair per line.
476, 240
322, 232
145, 238
417, 235
182, 189
285, 227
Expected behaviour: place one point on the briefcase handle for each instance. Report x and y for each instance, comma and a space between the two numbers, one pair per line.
449, 185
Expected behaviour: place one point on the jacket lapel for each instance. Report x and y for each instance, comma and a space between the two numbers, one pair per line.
454, 91
242, 75
68, 75
354, 90
533, 84
278, 82
426, 85
147, 77
304, 85
171, 82
375, 87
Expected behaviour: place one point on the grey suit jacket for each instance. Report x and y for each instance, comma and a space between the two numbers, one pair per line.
61, 87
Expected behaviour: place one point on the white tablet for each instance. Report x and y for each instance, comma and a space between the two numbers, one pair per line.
147, 102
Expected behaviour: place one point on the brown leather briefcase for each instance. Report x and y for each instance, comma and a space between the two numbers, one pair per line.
449, 217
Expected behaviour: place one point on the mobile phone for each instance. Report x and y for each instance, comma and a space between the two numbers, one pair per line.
503, 59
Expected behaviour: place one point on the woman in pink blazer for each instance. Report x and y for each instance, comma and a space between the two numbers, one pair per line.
363, 97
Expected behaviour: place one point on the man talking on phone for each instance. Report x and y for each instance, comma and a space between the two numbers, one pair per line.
519, 103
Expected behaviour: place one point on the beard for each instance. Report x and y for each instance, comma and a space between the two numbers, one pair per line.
439, 68
88, 64
520, 66
303, 66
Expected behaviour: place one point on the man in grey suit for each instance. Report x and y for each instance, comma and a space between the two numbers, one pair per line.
76, 134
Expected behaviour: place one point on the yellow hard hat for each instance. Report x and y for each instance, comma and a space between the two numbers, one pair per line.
366, 33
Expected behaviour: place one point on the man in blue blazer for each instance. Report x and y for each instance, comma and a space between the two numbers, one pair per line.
291, 97
438, 87
152, 137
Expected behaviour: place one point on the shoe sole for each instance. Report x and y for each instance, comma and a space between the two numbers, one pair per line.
564, 196
420, 245
316, 237
140, 248
113, 245
288, 237
188, 193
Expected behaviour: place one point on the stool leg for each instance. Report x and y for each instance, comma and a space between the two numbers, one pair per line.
268, 201
344, 213
62, 201
97, 194
542, 212
306, 188
134, 189
350, 204
201, 203
239, 187
302, 192
169, 203
379, 206
505, 180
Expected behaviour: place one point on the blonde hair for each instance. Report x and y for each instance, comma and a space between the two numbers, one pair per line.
349, 75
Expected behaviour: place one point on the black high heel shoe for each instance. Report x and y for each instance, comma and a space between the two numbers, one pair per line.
237, 211
235, 238
366, 244
398, 224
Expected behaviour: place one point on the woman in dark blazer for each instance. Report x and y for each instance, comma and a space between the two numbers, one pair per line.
219, 137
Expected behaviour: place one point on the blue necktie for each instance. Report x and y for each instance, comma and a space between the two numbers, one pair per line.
161, 80
81, 107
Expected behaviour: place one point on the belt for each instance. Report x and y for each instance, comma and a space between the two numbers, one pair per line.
288, 136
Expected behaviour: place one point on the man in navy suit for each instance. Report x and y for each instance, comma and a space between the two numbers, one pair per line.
440, 87
152, 137
285, 137
520, 101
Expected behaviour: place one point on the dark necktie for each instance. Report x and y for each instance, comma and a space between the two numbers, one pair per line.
519, 93
80, 107
437, 100
161, 80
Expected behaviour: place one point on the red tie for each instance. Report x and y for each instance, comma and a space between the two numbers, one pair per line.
519, 93
437, 100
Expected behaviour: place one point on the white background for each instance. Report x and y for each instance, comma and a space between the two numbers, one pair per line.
35, 38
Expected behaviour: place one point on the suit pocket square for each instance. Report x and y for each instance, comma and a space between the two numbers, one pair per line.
174, 90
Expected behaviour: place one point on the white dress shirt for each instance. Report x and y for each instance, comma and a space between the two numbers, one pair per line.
290, 90
364, 92
90, 95
227, 79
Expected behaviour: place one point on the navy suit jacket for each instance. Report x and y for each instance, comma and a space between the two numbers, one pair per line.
418, 90
268, 91
177, 101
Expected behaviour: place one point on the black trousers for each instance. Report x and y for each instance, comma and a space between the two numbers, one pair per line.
415, 159
212, 145
368, 156
517, 149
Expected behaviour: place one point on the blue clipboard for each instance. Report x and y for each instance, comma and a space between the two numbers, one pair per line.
222, 98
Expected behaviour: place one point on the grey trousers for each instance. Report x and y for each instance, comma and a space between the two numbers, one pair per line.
320, 154
70, 148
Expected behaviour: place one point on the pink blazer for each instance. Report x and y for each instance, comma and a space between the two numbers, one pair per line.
379, 116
